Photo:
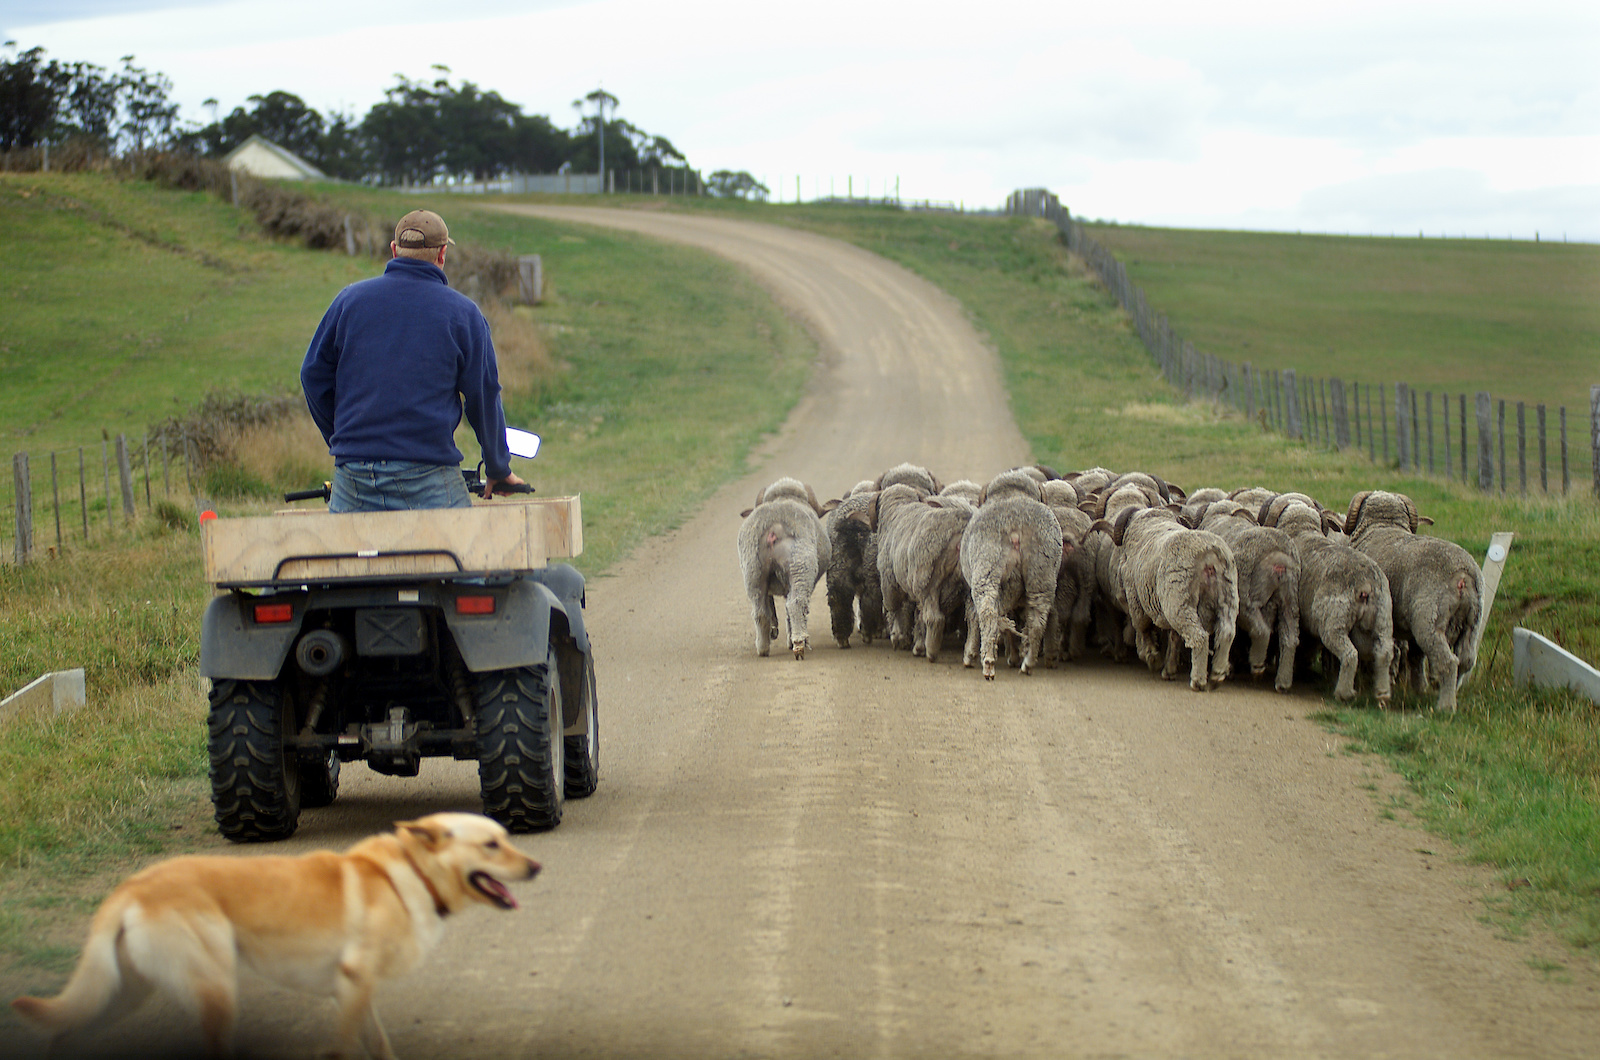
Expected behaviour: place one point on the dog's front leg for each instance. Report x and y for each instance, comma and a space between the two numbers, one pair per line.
358, 1021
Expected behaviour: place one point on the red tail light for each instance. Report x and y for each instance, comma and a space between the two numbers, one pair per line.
270, 614
474, 605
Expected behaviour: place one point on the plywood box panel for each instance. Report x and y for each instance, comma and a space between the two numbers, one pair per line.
501, 535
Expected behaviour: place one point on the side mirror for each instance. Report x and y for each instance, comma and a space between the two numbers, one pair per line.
522, 443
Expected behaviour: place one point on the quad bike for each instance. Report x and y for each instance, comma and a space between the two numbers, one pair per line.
390, 637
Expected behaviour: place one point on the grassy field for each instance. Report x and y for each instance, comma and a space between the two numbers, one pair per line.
1514, 777
1518, 319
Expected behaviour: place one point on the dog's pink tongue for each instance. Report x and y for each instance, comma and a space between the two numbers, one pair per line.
498, 890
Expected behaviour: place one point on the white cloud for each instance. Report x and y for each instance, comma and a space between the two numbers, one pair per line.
1240, 113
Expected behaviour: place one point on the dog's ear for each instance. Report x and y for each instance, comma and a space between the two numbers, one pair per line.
428, 833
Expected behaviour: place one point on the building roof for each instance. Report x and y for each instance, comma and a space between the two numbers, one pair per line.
261, 157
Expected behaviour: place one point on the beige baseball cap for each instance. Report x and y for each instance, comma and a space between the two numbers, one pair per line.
422, 228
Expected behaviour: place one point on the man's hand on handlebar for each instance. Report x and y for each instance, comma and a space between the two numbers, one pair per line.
512, 483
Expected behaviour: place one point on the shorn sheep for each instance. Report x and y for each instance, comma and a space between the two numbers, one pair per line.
1182, 580
783, 551
1010, 558
1435, 585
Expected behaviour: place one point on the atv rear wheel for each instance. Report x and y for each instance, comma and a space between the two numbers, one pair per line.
255, 780
521, 767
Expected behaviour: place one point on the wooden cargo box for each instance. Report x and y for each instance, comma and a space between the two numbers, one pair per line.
502, 535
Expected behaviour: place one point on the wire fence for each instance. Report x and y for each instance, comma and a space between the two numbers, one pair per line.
89, 495
1405, 427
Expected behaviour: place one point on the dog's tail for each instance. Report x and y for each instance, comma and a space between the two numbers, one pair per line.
95, 982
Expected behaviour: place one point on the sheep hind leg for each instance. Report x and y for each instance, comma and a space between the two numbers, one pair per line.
1033, 629
841, 612
1221, 652
1349, 659
1442, 663
988, 636
932, 628
765, 615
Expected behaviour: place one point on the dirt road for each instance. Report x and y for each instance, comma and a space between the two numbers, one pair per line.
864, 855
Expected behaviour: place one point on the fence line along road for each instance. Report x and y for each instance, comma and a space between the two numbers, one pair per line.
1334, 412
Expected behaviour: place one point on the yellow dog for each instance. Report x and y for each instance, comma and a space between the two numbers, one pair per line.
328, 923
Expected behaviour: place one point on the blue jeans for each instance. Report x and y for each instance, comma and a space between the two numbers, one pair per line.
396, 485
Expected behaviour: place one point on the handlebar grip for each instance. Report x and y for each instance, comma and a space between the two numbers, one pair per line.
521, 487
322, 492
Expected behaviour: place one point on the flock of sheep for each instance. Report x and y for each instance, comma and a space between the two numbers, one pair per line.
1036, 565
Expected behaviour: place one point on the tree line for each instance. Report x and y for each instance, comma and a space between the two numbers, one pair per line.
422, 132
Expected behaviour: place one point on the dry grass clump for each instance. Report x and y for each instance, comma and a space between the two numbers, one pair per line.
525, 360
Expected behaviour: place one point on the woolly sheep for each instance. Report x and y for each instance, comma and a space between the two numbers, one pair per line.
1067, 632
1344, 595
910, 475
783, 551
919, 565
1436, 589
852, 574
1010, 557
1269, 585
1182, 580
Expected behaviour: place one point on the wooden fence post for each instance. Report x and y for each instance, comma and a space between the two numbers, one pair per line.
1522, 450
1430, 431
530, 278
1372, 439
148, 502
1485, 444
1544, 471
1402, 427
55, 499
1249, 393
1341, 415
83, 495
1383, 415
125, 478
1594, 437
105, 474
1291, 404
1500, 434
1566, 482
1416, 433
349, 238
23, 487
1444, 404
1327, 422
1463, 437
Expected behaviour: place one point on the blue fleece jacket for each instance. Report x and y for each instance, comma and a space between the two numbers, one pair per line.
393, 363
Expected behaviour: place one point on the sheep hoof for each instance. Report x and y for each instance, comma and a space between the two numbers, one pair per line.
842, 643
1282, 689
799, 651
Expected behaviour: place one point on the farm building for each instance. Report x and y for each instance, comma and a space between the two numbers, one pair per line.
261, 157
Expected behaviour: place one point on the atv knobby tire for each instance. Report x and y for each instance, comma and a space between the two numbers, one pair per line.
521, 767
583, 748
319, 780
255, 780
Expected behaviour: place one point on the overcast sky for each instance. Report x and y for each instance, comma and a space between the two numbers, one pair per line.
1459, 117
